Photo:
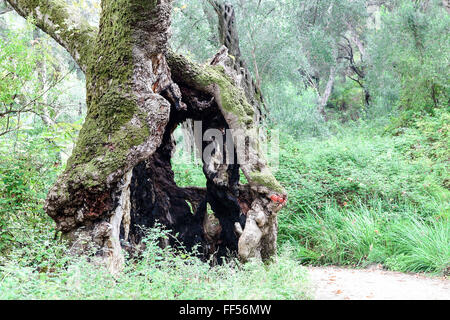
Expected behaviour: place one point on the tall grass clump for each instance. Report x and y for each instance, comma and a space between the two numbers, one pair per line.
417, 245
360, 235
368, 195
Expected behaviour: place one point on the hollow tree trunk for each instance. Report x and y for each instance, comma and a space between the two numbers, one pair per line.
119, 177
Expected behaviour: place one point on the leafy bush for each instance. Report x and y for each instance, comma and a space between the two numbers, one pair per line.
409, 57
293, 112
28, 166
351, 166
347, 102
35, 130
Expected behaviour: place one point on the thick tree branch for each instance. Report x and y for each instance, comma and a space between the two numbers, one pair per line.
218, 82
229, 37
54, 18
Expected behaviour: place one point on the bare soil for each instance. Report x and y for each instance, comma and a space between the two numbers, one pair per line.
374, 283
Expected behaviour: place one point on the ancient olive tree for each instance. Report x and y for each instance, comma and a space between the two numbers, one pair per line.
119, 177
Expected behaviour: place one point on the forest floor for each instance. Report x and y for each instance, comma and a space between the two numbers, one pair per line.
374, 283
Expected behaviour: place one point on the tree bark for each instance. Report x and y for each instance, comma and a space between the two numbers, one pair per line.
359, 71
323, 99
229, 37
119, 177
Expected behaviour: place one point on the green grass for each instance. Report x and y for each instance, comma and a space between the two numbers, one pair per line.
360, 235
41, 268
363, 196
189, 175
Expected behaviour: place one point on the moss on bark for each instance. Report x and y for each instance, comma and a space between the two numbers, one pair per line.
126, 118
267, 180
115, 123
208, 78
214, 80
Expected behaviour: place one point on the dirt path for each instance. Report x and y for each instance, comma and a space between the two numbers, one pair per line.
333, 283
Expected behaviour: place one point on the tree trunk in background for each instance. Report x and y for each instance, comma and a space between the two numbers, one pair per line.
211, 16
323, 99
42, 76
359, 70
119, 177
446, 5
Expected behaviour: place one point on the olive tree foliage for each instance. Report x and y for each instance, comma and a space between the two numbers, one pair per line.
193, 34
32, 80
409, 56
267, 38
265, 32
331, 36
293, 48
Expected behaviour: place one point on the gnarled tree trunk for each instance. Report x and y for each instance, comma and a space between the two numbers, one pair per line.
119, 177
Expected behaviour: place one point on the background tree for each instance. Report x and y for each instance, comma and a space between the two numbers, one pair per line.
408, 57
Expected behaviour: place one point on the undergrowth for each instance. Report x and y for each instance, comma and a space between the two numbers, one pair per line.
43, 268
366, 195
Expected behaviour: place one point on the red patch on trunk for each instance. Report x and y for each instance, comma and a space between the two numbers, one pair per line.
99, 204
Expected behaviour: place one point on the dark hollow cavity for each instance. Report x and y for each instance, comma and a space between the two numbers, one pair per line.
155, 197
